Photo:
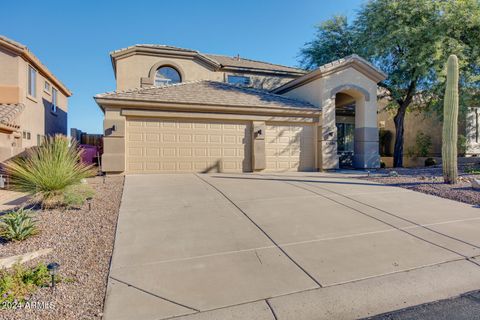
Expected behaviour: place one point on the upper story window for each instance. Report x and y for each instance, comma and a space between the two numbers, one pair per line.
32, 82
46, 87
241, 80
54, 99
167, 75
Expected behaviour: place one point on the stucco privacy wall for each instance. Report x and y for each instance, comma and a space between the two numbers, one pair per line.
321, 92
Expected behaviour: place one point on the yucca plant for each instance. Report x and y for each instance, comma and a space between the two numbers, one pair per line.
48, 170
18, 225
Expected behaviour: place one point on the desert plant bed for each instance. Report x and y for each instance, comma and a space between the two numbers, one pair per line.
82, 243
430, 181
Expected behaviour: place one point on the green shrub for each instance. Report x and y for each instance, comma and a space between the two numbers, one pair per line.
382, 165
18, 225
430, 162
423, 144
76, 196
472, 170
48, 170
19, 282
461, 145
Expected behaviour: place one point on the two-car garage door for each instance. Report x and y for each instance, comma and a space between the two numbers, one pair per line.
161, 145
173, 145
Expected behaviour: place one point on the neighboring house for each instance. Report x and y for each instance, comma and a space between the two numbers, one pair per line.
178, 110
33, 102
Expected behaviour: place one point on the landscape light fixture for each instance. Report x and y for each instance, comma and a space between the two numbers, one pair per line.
52, 269
89, 201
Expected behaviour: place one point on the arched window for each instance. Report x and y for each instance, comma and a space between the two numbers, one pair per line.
167, 75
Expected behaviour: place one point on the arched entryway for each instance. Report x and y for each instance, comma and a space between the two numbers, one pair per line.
345, 124
355, 135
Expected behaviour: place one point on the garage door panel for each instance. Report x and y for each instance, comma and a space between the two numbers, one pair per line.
290, 148
159, 145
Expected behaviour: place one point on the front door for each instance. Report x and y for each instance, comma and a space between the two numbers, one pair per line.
345, 144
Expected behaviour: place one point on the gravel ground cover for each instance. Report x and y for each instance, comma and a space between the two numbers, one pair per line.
82, 243
430, 181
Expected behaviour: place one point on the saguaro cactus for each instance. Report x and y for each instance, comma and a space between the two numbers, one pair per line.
450, 118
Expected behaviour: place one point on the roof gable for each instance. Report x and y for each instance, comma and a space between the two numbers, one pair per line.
354, 61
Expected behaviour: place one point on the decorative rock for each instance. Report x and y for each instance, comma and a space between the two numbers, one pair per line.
393, 174
476, 184
10, 261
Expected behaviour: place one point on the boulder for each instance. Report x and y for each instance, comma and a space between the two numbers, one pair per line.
476, 184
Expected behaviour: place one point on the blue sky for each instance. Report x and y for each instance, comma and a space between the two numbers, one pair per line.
74, 38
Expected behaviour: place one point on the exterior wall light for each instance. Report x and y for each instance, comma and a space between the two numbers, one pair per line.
114, 128
53, 269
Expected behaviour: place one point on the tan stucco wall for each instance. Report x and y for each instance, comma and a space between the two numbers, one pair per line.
415, 122
9, 75
131, 69
36, 117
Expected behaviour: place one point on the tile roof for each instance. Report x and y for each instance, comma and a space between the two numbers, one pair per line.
238, 62
158, 46
222, 60
207, 93
9, 113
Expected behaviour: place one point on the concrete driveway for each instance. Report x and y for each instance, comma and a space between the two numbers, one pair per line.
285, 246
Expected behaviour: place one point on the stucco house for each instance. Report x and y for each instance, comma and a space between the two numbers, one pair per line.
33, 102
179, 110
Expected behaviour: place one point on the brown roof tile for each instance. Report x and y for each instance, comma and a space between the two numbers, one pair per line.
208, 93
238, 62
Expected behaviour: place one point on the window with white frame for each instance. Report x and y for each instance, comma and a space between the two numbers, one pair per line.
27, 135
32, 82
54, 99
167, 75
46, 87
